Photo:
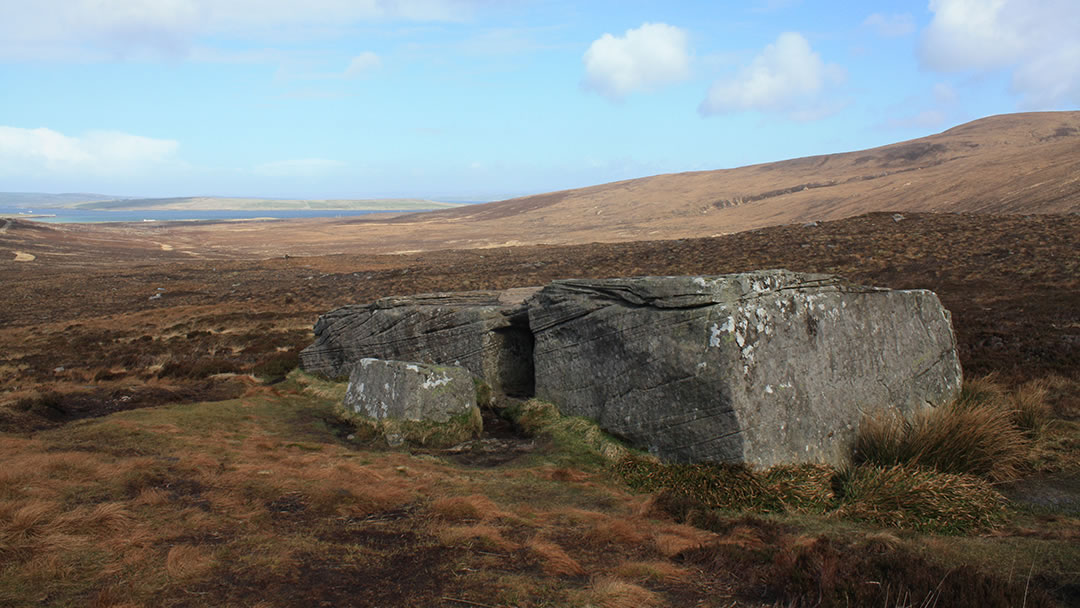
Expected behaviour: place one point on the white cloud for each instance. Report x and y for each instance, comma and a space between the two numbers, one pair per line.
787, 76
645, 58
302, 167
1036, 40
968, 34
891, 26
363, 64
100, 29
1050, 79
43, 152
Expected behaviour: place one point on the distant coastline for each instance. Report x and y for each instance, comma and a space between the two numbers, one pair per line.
97, 208
95, 216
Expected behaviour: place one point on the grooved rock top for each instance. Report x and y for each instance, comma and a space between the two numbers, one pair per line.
764, 367
485, 332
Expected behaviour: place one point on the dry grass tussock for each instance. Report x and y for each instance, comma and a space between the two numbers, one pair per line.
617, 531
653, 571
554, 560
610, 592
480, 536
35, 528
188, 561
474, 507
1064, 395
986, 432
673, 539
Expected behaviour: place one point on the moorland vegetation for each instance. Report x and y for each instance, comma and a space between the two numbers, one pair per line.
165, 452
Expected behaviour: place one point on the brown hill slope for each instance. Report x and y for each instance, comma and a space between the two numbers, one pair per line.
1017, 163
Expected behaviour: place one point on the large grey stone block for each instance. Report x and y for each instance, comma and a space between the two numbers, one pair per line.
765, 367
486, 332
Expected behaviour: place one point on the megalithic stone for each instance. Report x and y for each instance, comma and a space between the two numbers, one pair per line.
763, 367
486, 332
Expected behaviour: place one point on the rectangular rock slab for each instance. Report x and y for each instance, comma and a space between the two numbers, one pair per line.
402, 390
413, 402
764, 368
485, 332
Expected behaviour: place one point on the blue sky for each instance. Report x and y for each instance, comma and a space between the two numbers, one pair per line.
487, 99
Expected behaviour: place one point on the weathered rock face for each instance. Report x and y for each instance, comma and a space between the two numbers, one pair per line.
486, 332
765, 368
413, 402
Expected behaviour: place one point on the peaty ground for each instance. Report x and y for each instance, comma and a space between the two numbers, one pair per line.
242, 493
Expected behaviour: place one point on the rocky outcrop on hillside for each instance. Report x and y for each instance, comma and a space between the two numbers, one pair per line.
765, 368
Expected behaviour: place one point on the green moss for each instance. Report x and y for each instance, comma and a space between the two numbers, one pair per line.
483, 393
459, 428
576, 441
910, 498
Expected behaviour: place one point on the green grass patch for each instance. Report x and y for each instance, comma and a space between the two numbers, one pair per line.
733, 487
575, 441
396, 433
110, 436
919, 499
326, 390
915, 499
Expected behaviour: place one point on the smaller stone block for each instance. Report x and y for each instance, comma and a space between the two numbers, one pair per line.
430, 405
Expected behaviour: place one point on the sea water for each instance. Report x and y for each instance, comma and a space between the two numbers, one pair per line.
42, 214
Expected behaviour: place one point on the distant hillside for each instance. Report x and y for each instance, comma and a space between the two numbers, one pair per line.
203, 203
1015, 163
1009, 164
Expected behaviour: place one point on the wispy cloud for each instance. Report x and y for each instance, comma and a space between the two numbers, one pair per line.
891, 26
363, 64
45, 152
788, 76
1035, 41
88, 30
302, 167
